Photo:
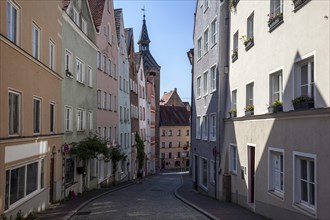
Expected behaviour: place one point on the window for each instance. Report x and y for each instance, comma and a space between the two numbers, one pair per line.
214, 32
80, 70
68, 118
68, 60
14, 113
90, 121
109, 66
163, 144
104, 100
276, 171
179, 154
213, 127
90, 76
52, 118
307, 78
199, 89
205, 81
233, 159
198, 127
99, 98
203, 173
250, 23
35, 42
205, 127
84, 25
276, 7
212, 171
170, 132
109, 33
22, 181
163, 132
108, 5
163, 155
206, 4
199, 48
76, 16
12, 21
104, 63
170, 155
305, 180
98, 60
276, 89
179, 143
234, 100
206, 41
51, 55
299, 4
170, 144
234, 55
114, 71
249, 94
187, 134
81, 120
36, 115
213, 78
110, 106
179, 132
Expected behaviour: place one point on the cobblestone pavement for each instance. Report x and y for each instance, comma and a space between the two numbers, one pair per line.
152, 199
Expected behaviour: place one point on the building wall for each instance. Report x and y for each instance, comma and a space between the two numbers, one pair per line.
206, 103
38, 81
78, 94
124, 100
291, 132
175, 138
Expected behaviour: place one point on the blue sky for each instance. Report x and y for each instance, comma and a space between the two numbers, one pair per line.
170, 26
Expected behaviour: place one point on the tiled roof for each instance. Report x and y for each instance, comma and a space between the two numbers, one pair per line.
65, 4
118, 14
173, 116
97, 7
148, 60
166, 96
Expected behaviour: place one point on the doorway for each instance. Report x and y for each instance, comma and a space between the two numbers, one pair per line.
251, 174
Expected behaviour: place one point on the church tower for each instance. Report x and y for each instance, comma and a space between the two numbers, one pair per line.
152, 72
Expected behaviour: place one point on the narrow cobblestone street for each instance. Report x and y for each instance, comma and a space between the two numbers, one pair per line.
153, 199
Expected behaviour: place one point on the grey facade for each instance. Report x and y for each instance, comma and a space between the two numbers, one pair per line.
209, 80
78, 87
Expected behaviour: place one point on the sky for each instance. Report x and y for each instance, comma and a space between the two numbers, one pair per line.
170, 26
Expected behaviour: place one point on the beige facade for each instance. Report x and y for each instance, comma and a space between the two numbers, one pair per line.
30, 100
174, 147
276, 160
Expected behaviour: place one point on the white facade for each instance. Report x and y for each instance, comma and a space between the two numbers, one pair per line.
276, 160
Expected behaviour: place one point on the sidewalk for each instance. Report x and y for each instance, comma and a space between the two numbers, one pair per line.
214, 209
67, 209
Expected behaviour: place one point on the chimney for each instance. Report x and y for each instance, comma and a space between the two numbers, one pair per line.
174, 89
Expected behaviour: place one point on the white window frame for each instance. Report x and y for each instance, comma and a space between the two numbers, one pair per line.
90, 76
206, 44
52, 53
84, 25
250, 26
198, 87
11, 114
276, 172
274, 9
235, 42
198, 127
297, 200
68, 60
68, 119
76, 16
274, 78
213, 78
199, 48
36, 41
213, 126
13, 35
205, 83
234, 99
205, 127
250, 93
310, 77
80, 70
37, 99
90, 121
214, 32
81, 119
233, 154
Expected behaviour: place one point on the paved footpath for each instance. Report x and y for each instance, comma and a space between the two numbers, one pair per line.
209, 207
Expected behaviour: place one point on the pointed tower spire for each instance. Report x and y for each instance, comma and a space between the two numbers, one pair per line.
144, 37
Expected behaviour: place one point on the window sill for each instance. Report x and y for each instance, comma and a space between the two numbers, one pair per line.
80, 83
68, 132
276, 194
275, 24
234, 57
249, 45
305, 209
298, 4
213, 45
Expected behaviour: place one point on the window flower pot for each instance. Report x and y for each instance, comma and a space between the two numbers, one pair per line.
275, 109
249, 43
68, 74
303, 105
275, 21
234, 56
232, 114
248, 113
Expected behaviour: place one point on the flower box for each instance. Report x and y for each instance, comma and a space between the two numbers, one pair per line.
299, 3
303, 102
68, 74
275, 109
249, 43
275, 21
248, 113
232, 114
234, 56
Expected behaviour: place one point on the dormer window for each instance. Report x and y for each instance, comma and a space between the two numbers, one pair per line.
76, 16
84, 25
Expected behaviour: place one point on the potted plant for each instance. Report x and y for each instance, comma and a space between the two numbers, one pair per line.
233, 113
274, 19
248, 42
249, 110
275, 107
302, 102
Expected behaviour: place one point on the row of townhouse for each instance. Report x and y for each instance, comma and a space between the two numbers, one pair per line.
272, 94
80, 78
